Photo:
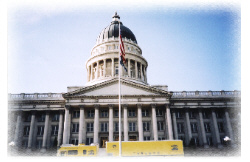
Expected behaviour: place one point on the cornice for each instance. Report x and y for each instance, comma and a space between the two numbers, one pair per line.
114, 80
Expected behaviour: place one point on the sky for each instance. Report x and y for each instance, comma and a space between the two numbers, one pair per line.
187, 48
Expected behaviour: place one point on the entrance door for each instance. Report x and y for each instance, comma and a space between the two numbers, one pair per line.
103, 141
132, 138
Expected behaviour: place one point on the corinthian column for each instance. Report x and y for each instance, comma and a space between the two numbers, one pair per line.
45, 134
60, 129
32, 124
136, 70
104, 67
111, 131
82, 129
125, 122
169, 122
96, 124
155, 131
204, 139
129, 75
189, 133
66, 125
112, 67
18, 128
216, 129
140, 129
229, 127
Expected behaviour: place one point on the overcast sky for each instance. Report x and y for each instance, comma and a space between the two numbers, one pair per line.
186, 48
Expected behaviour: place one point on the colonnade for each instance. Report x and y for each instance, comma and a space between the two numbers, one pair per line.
170, 121
96, 70
82, 130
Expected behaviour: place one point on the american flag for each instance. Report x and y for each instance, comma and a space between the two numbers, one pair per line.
122, 52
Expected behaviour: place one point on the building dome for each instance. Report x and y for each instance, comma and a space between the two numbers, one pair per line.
113, 31
103, 63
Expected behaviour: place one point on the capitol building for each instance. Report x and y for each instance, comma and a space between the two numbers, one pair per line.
89, 114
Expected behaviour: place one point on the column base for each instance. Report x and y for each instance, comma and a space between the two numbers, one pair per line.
28, 150
43, 150
219, 146
206, 146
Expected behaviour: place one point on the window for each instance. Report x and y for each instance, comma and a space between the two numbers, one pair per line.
41, 118
55, 117
54, 130
104, 113
161, 138
205, 115
116, 47
145, 126
76, 114
90, 127
131, 73
104, 127
207, 127
181, 138
160, 126
39, 144
128, 48
179, 115
221, 127
91, 113
146, 138
145, 112
25, 144
40, 130
159, 112
75, 128
26, 130
74, 141
72, 152
180, 127
194, 127
132, 127
27, 118
196, 141
89, 141
192, 115
131, 113
116, 127
116, 113
209, 141
219, 114
84, 152
116, 70
109, 47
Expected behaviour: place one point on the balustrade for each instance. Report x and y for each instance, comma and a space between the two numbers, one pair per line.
35, 96
204, 93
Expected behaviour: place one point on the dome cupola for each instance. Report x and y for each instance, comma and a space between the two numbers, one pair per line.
113, 31
103, 63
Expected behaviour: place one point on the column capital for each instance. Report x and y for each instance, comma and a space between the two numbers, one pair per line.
81, 106
19, 112
47, 112
125, 105
153, 105
167, 105
96, 106
139, 105
33, 112
67, 107
110, 105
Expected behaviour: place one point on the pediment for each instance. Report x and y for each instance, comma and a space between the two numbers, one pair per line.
111, 88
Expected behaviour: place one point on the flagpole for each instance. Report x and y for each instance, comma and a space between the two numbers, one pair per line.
120, 144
